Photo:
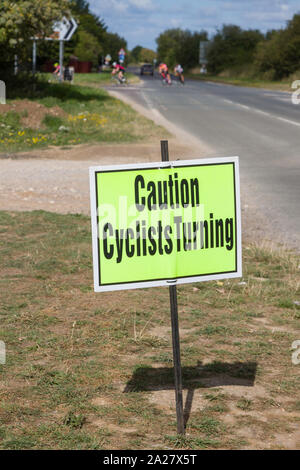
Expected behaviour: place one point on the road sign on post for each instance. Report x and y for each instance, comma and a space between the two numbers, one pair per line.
61, 60
164, 224
63, 30
156, 223
34, 57
203, 46
121, 55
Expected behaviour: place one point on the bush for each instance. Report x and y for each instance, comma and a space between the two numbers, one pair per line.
232, 47
279, 56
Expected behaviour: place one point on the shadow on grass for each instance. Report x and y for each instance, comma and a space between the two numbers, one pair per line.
216, 374
35, 89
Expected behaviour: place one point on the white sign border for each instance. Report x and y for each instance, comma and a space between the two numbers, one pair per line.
164, 282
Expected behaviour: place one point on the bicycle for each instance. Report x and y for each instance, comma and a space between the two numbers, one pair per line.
178, 78
166, 81
181, 78
117, 82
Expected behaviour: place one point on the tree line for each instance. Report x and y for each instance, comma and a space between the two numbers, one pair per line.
273, 55
22, 20
232, 50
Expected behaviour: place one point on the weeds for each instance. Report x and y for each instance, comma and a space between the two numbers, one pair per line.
94, 371
88, 115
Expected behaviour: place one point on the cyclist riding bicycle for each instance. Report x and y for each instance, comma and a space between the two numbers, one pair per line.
178, 71
56, 71
164, 72
118, 70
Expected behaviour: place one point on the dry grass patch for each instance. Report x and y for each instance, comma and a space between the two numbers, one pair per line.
94, 371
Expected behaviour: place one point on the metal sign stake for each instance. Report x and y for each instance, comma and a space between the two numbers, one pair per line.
175, 331
34, 57
61, 60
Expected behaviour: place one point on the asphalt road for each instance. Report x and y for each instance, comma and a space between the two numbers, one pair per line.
262, 127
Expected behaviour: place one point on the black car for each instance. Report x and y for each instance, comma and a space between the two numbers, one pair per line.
147, 68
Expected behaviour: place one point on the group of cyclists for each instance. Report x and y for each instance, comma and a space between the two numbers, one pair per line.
166, 77
119, 72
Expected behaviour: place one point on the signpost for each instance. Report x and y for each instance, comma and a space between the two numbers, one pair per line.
203, 46
164, 224
63, 30
34, 57
121, 55
175, 332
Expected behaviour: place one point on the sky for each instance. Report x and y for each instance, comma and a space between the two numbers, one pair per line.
141, 21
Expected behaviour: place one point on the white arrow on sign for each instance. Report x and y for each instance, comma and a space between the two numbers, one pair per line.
63, 30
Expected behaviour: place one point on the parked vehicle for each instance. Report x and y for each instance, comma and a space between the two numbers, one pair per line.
147, 69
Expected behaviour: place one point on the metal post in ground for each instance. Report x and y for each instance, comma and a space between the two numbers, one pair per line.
34, 57
61, 59
175, 332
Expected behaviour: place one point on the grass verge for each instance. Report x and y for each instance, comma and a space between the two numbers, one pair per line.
63, 114
94, 371
284, 85
104, 78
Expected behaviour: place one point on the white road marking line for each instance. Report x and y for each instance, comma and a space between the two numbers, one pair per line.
259, 111
285, 99
288, 121
279, 94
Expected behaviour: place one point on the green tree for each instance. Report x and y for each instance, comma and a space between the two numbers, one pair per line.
178, 46
86, 43
279, 56
147, 55
80, 6
112, 44
135, 53
21, 20
232, 47
88, 48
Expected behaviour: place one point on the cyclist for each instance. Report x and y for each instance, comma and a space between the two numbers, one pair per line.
164, 72
178, 71
56, 72
118, 70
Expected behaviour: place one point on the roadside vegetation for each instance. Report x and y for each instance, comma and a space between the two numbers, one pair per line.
90, 42
42, 114
94, 371
238, 56
103, 78
240, 79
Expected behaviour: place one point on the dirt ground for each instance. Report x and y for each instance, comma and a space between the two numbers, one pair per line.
32, 113
57, 179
